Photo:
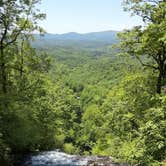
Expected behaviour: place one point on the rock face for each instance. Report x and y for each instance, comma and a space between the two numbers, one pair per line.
56, 158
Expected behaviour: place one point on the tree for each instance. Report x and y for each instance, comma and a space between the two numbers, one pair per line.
147, 43
20, 65
18, 18
134, 123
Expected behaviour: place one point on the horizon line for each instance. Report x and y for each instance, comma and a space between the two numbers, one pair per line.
82, 32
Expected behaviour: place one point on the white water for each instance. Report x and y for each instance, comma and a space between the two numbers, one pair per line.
56, 158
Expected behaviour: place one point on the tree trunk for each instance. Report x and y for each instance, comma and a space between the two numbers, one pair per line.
3, 73
159, 83
3, 79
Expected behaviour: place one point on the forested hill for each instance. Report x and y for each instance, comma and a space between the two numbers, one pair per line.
72, 92
73, 39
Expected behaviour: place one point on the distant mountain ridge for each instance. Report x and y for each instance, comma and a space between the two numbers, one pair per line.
102, 36
92, 39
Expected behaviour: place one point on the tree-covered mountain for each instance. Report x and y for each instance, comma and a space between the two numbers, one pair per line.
73, 93
106, 36
73, 39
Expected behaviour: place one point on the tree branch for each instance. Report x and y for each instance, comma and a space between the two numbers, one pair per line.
146, 65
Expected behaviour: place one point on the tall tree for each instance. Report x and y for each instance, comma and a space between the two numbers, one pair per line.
17, 18
147, 43
21, 68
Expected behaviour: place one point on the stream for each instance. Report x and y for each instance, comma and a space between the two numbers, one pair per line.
57, 158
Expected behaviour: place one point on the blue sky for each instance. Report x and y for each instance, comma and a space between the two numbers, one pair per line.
84, 16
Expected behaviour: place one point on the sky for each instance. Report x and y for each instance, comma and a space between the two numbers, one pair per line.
83, 16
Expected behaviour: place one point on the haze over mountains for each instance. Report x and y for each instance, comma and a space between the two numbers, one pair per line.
93, 39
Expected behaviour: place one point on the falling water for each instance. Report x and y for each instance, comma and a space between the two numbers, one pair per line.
56, 158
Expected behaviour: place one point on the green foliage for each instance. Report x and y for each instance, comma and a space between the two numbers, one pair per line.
91, 127
69, 148
4, 151
85, 101
135, 122
147, 44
